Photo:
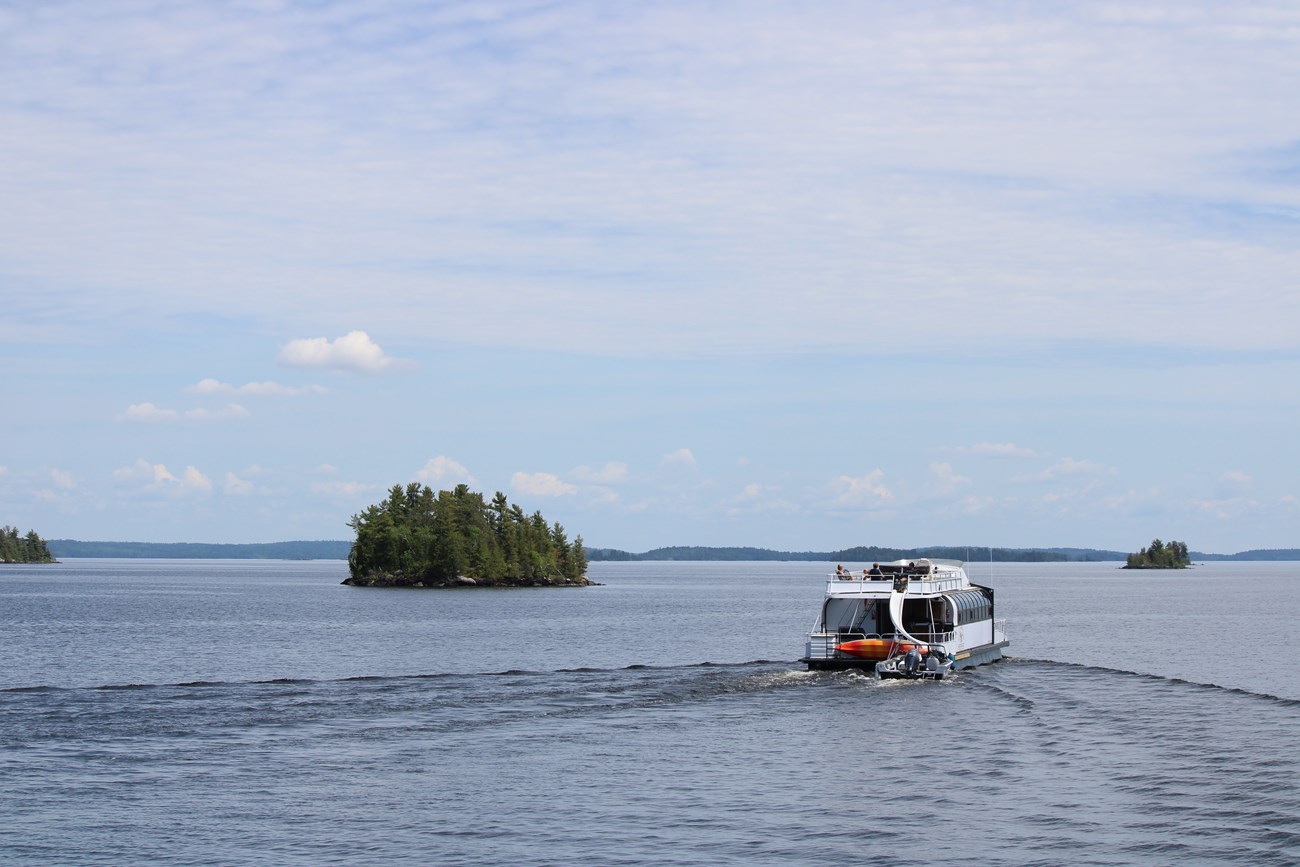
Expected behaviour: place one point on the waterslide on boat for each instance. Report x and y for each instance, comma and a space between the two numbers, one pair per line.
896, 614
908, 664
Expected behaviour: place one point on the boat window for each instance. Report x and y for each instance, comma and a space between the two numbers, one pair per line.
971, 606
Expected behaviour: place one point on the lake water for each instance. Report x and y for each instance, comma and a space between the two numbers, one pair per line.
218, 712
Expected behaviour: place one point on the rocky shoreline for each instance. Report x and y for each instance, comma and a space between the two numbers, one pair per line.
461, 582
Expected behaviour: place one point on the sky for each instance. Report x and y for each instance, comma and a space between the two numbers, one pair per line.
800, 276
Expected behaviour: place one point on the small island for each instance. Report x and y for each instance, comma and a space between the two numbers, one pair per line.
18, 548
1160, 555
417, 538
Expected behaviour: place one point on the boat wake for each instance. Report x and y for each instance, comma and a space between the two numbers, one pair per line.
1153, 678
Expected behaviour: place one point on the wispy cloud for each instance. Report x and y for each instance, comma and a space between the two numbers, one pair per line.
343, 490
227, 413
694, 149
144, 476
755, 498
148, 413
868, 490
947, 478
354, 352
611, 473
1233, 484
253, 389
995, 450
1067, 467
1229, 508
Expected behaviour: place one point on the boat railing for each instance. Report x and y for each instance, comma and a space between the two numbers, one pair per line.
821, 645
858, 575
853, 581
1000, 629
935, 637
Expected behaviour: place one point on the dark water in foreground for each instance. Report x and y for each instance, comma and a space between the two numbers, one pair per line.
218, 712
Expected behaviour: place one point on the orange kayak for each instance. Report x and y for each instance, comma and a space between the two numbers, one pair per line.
873, 648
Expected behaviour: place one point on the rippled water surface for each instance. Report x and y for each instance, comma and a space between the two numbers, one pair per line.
236, 712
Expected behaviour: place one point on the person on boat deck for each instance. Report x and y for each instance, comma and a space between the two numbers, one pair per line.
840, 573
875, 569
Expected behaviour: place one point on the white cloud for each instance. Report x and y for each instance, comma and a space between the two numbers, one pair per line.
1228, 508
681, 458
354, 352
147, 413
63, 480
145, 476
973, 505
229, 413
253, 389
3, 470
342, 490
541, 485
949, 481
866, 490
236, 486
612, 473
996, 450
327, 469
767, 123
1067, 467
755, 497
443, 470
194, 481
603, 496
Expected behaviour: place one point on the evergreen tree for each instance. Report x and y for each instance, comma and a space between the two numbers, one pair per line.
29, 548
415, 536
1160, 555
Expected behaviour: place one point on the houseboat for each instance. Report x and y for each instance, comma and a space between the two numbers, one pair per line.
906, 619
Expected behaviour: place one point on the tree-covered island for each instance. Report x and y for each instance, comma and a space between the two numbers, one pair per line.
1160, 555
18, 548
417, 538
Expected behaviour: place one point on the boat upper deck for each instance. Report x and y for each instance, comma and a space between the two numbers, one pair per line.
922, 576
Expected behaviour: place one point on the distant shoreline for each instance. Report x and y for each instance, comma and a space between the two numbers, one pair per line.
338, 550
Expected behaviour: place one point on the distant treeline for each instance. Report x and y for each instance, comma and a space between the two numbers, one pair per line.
338, 550
1256, 554
303, 550
877, 554
864, 554
16, 547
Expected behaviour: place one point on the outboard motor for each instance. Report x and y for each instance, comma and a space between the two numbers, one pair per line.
911, 662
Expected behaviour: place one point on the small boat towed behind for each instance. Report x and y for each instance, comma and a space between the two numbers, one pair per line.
916, 619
